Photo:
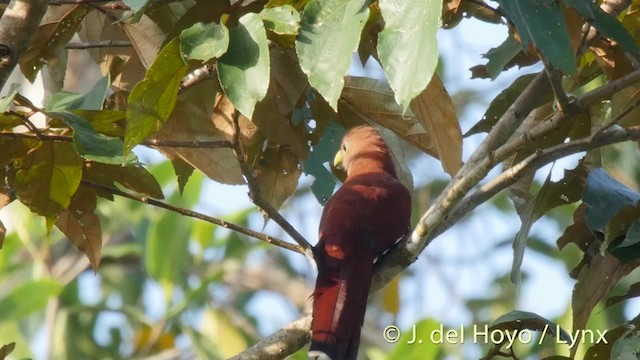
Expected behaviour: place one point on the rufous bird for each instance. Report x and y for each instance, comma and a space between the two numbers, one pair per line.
361, 221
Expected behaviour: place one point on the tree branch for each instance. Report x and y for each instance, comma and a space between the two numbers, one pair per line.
284, 342
98, 44
255, 193
18, 24
197, 76
231, 226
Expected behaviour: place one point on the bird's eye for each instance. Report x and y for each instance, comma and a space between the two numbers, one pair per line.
344, 147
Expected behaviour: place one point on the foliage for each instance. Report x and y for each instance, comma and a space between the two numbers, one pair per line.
259, 93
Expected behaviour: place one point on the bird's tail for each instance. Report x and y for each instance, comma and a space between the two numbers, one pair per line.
339, 305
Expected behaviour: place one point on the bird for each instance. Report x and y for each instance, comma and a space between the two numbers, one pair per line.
365, 217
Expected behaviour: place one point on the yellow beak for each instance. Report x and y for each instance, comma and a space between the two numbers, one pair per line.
337, 160
338, 167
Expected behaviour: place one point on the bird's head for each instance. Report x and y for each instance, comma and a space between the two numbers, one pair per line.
362, 150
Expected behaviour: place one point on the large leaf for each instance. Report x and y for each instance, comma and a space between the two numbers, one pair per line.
244, 68
371, 101
48, 177
277, 172
204, 41
329, 34
500, 56
82, 226
133, 177
541, 23
408, 47
434, 109
92, 100
49, 39
27, 298
192, 120
146, 38
152, 100
605, 197
281, 20
91, 145
606, 24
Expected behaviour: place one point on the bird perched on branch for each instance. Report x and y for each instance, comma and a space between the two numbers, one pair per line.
362, 220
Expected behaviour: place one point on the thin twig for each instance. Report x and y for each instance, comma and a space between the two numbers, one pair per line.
255, 193
555, 80
204, 144
617, 118
25, 120
196, 215
98, 44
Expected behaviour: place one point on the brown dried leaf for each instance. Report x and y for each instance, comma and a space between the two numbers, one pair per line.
82, 226
594, 282
611, 59
277, 171
366, 100
272, 114
146, 38
201, 114
434, 109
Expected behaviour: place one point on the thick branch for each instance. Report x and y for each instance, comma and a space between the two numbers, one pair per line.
196, 215
255, 193
17, 26
284, 342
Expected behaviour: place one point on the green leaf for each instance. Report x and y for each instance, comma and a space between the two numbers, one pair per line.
329, 35
407, 47
92, 100
627, 346
518, 320
244, 69
91, 145
105, 122
606, 24
542, 24
320, 154
204, 41
500, 56
6, 101
27, 298
48, 177
281, 20
627, 248
133, 177
605, 197
152, 100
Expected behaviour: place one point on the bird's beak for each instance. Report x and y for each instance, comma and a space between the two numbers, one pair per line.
337, 160
337, 167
